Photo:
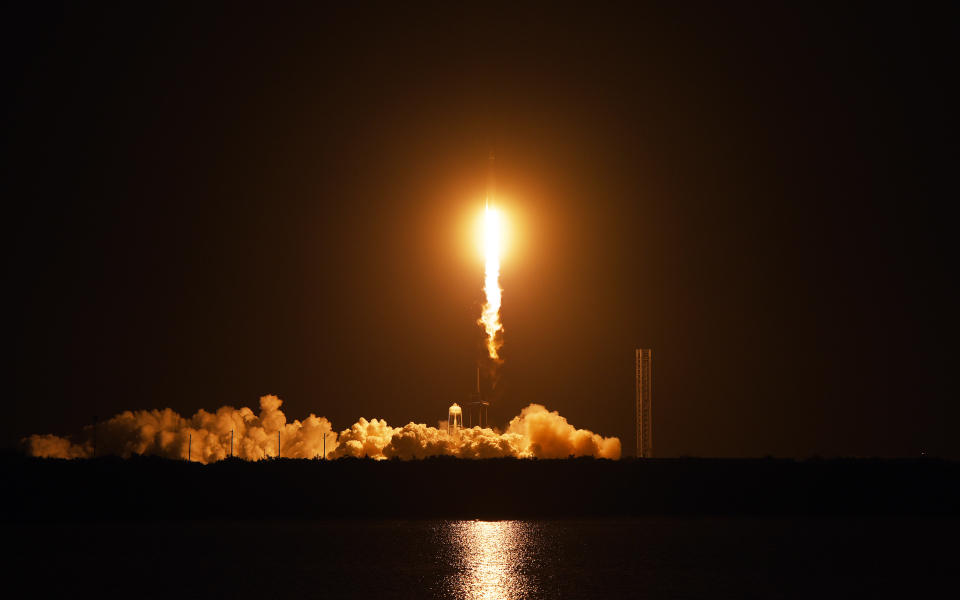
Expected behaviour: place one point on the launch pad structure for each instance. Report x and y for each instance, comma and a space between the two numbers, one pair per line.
478, 409
477, 412
644, 403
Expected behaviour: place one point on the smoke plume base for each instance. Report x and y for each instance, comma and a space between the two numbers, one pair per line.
206, 437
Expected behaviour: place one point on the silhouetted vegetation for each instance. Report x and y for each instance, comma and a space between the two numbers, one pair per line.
153, 488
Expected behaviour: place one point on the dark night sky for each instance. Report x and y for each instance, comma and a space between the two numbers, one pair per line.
212, 204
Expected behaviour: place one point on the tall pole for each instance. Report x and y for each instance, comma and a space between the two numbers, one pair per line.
231, 443
189, 446
644, 402
638, 407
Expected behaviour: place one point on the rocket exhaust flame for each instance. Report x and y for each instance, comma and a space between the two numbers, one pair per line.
492, 246
492, 249
208, 437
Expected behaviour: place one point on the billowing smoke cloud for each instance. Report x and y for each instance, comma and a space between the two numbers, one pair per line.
205, 436
535, 432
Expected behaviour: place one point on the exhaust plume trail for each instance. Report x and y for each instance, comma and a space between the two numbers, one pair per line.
492, 248
490, 317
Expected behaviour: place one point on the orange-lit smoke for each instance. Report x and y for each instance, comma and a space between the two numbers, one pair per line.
492, 248
534, 433
205, 436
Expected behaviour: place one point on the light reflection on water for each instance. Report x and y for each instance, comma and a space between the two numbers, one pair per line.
655, 558
495, 559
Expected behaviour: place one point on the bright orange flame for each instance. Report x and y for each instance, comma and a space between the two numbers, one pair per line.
492, 248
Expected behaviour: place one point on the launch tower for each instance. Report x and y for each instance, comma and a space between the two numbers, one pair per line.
477, 408
644, 403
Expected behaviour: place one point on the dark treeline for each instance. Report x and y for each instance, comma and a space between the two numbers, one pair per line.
152, 488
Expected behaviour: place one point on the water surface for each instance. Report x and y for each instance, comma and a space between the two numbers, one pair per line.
638, 558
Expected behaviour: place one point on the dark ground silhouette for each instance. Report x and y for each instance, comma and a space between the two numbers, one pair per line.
158, 489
